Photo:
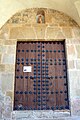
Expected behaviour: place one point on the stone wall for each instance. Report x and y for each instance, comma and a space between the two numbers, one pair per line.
23, 27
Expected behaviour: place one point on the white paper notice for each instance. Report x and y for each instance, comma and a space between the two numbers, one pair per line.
27, 69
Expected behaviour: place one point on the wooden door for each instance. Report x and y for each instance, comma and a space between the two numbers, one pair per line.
41, 76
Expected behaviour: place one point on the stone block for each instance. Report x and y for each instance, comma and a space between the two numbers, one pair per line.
77, 64
51, 32
7, 81
71, 52
73, 41
3, 49
60, 35
78, 50
10, 42
11, 49
8, 59
78, 90
23, 114
67, 32
7, 112
39, 30
2, 68
71, 64
9, 93
4, 34
0, 57
9, 68
75, 106
22, 33
49, 18
74, 78
1, 41
1, 109
76, 32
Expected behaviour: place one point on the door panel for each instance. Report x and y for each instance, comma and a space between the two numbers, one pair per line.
45, 86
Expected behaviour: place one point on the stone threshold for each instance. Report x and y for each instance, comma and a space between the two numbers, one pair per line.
41, 114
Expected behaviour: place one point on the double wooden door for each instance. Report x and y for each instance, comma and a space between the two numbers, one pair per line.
41, 76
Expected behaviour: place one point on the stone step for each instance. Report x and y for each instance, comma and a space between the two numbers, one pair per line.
62, 118
43, 115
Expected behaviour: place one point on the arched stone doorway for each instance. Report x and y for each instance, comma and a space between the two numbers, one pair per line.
23, 27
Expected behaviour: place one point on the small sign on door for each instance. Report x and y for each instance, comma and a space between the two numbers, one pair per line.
27, 69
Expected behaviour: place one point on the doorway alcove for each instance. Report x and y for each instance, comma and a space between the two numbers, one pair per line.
22, 27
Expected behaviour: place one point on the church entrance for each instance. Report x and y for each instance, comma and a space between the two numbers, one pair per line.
41, 76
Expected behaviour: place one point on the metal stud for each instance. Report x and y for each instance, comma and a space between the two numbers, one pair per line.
21, 92
64, 76
47, 92
63, 51
52, 107
18, 63
56, 77
26, 92
66, 99
22, 59
57, 107
17, 92
56, 92
65, 91
61, 107
35, 93
34, 88
21, 77
46, 50
43, 50
38, 50
60, 77
61, 92
17, 70
27, 50
38, 54
38, 88
50, 50
66, 107
34, 81
18, 50
31, 50
38, 80
47, 88
59, 51
34, 84
17, 77
30, 92
65, 84
22, 63
43, 55
38, 46
59, 63
26, 59
22, 50
18, 59
52, 92
26, 77
54, 51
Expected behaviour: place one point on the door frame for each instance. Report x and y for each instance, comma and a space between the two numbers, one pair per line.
45, 40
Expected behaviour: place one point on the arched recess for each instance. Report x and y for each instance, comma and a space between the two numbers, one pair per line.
23, 27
